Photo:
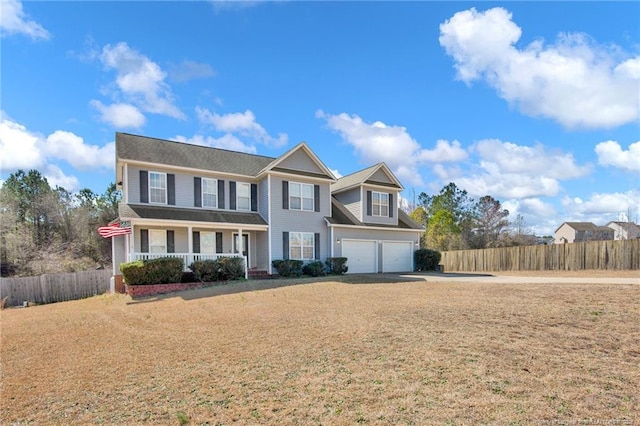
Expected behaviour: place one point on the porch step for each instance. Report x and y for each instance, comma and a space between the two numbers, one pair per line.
258, 274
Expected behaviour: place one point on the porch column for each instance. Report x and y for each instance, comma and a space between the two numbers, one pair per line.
240, 250
132, 244
190, 244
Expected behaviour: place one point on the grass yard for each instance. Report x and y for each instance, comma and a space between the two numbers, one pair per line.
329, 353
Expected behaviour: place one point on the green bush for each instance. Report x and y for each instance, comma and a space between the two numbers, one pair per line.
221, 269
314, 269
163, 270
288, 268
337, 265
426, 259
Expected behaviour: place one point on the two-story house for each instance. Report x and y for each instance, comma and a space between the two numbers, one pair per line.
198, 202
575, 232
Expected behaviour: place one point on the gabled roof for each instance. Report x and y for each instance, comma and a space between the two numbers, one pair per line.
627, 226
160, 151
274, 165
340, 215
365, 177
584, 226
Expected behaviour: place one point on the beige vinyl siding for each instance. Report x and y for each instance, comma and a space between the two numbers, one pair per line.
282, 220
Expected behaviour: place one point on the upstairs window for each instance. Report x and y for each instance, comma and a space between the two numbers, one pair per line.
210, 193
380, 204
243, 194
301, 196
158, 187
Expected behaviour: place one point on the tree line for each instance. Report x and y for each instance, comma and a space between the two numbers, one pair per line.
455, 221
46, 229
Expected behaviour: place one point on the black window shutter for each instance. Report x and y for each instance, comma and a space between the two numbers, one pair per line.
171, 189
285, 195
391, 205
144, 240
316, 243
285, 245
196, 242
197, 192
254, 197
221, 194
316, 197
368, 203
232, 195
218, 242
144, 186
171, 242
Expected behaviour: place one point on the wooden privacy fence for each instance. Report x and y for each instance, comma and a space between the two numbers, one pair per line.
621, 254
51, 288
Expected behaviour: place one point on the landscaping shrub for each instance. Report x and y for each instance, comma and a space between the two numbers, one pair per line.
188, 277
163, 270
288, 268
427, 259
314, 269
337, 265
221, 269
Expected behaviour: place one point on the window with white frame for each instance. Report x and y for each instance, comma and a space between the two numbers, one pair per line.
207, 242
380, 204
157, 241
243, 196
209, 192
301, 196
301, 245
158, 187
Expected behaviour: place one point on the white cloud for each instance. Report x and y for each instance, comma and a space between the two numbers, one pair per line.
13, 20
610, 153
507, 170
574, 81
242, 123
378, 142
26, 150
56, 177
530, 207
19, 148
610, 204
140, 80
227, 141
336, 173
189, 70
72, 149
120, 115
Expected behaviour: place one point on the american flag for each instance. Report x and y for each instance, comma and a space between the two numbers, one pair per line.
113, 230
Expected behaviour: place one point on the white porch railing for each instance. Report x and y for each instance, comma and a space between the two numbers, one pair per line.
189, 258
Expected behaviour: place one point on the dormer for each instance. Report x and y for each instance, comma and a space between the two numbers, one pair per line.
371, 195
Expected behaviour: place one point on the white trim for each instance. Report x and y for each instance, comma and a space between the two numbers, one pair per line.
238, 209
215, 185
380, 205
233, 241
377, 228
382, 242
308, 151
166, 192
297, 176
313, 198
376, 261
269, 242
125, 184
302, 246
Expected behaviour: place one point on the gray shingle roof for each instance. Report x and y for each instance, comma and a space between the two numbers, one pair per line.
353, 179
160, 151
192, 215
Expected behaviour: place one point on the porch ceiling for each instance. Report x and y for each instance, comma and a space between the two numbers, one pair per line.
131, 211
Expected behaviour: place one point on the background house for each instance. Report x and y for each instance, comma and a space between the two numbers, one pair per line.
574, 232
624, 230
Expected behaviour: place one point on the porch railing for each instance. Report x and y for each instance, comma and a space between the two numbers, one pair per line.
189, 258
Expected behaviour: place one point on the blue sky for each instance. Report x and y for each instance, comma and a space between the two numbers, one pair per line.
533, 103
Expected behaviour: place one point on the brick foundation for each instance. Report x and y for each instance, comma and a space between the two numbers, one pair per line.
151, 289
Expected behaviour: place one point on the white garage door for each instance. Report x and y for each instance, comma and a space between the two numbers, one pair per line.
361, 255
397, 256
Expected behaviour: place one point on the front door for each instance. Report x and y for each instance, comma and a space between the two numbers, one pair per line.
245, 246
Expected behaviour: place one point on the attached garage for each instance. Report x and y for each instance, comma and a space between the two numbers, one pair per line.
361, 255
397, 256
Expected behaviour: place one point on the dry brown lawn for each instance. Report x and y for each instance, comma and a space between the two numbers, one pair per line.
329, 352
